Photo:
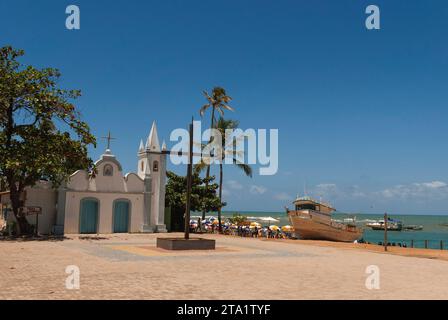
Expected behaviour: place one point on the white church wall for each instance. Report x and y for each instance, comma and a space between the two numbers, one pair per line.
41, 195
79, 181
113, 183
134, 183
155, 200
106, 202
46, 199
145, 190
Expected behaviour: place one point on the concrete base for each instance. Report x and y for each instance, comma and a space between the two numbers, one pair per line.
58, 230
161, 228
182, 244
148, 229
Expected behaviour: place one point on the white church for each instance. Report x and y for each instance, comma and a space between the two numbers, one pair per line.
109, 201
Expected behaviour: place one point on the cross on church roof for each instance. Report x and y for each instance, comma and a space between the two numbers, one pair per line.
108, 138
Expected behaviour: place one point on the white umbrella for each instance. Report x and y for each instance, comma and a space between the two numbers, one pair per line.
269, 219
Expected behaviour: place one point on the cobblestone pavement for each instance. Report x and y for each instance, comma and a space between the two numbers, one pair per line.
130, 267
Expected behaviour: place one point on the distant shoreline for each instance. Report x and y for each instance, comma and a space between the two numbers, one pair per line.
394, 250
336, 212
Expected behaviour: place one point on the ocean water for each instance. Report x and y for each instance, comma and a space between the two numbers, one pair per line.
435, 227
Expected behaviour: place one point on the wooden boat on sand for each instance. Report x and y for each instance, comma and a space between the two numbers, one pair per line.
312, 220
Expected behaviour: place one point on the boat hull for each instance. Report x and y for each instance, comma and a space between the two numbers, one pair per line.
388, 228
308, 228
381, 226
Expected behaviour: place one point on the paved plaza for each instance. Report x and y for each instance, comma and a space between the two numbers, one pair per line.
131, 267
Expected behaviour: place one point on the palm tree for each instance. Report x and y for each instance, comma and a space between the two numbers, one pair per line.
227, 150
218, 101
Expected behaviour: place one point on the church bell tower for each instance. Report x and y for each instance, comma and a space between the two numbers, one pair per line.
152, 169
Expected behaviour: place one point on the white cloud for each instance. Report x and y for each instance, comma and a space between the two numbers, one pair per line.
435, 184
283, 196
257, 189
326, 186
429, 190
433, 190
355, 191
233, 184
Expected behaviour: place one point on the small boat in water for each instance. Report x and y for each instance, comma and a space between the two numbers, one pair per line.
312, 220
413, 227
392, 225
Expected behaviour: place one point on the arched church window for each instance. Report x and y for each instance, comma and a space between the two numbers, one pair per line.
155, 166
108, 170
142, 164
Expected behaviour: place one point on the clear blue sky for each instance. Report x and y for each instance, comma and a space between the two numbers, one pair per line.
361, 114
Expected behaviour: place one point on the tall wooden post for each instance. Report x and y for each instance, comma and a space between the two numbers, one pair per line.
189, 183
36, 232
385, 231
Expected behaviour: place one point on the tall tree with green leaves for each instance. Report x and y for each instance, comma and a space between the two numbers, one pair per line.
203, 196
217, 101
227, 150
42, 135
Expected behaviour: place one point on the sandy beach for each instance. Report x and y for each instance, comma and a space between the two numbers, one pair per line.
394, 250
131, 267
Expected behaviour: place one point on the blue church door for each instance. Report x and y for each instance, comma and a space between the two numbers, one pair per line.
89, 216
121, 216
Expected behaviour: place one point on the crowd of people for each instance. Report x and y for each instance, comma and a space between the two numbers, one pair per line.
242, 229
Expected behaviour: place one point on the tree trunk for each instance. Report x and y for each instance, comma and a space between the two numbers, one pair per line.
220, 197
207, 174
16, 204
2, 184
14, 189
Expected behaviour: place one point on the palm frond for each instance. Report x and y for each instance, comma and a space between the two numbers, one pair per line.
225, 106
224, 124
198, 144
245, 167
205, 93
234, 153
203, 109
201, 166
